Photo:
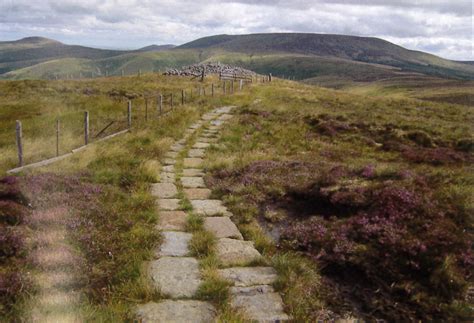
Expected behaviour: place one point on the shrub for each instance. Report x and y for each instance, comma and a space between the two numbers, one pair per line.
420, 138
465, 144
435, 156
12, 283
12, 213
402, 244
10, 243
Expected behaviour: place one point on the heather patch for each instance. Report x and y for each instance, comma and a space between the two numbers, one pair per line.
14, 284
383, 237
376, 202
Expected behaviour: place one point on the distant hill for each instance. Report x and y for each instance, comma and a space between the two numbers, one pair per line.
33, 50
361, 49
326, 60
156, 48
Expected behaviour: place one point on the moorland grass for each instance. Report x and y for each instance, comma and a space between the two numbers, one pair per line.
116, 234
286, 138
314, 154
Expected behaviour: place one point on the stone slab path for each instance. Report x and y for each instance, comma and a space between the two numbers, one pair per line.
57, 269
174, 273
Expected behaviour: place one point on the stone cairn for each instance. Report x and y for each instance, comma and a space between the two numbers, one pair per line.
174, 272
210, 68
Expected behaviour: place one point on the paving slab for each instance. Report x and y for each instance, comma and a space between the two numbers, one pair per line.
201, 145
225, 117
177, 147
197, 193
169, 161
168, 204
179, 311
172, 221
249, 276
168, 168
171, 154
195, 125
193, 172
193, 182
209, 136
175, 277
166, 177
217, 122
207, 139
192, 162
189, 131
222, 227
224, 110
251, 290
209, 207
175, 244
213, 128
208, 117
261, 307
236, 252
196, 153
164, 190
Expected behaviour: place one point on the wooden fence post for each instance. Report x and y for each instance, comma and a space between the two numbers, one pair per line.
129, 114
212, 89
160, 103
182, 97
224, 87
270, 77
203, 73
171, 101
57, 137
241, 84
86, 127
232, 87
146, 109
19, 144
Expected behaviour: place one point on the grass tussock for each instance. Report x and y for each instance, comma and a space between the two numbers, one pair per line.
202, 244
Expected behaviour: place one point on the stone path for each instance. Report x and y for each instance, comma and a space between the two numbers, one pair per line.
57, 272
177, 275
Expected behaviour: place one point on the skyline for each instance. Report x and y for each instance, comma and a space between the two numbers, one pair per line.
437, 26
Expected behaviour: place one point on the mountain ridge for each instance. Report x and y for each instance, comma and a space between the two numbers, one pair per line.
299, 55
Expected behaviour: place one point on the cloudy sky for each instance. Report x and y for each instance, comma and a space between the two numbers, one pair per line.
442, 27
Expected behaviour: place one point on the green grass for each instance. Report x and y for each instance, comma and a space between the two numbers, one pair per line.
39, 103
278, 127
282, 142
117, 232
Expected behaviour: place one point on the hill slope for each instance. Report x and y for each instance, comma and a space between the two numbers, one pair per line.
328, 60
33, 50
361, 49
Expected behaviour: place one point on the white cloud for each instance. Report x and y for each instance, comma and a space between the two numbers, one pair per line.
442, 27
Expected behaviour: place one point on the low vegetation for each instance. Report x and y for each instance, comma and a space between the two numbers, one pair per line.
362, 203
14, 281
377, 193
106, 187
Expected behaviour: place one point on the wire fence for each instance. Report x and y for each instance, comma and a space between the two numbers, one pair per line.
74, 131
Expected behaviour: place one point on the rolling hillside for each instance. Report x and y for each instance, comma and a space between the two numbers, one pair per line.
34, 50
360, 49
327, 60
